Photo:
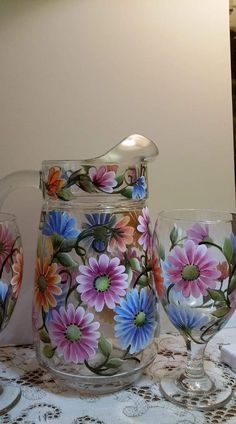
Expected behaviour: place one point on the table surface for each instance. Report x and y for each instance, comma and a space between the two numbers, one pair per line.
43, 399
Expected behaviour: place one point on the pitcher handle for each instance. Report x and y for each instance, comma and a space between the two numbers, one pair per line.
18, 179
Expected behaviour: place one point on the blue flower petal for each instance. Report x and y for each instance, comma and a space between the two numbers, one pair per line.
126, 329
186, 318
3, 291
61, 223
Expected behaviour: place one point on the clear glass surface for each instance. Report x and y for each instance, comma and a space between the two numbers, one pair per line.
194, 261
11, 270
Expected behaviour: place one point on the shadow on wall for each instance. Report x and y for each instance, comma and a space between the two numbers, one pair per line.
10, 10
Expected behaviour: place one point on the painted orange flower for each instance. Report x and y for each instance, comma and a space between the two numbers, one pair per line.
157, 273
133, 222
224, 270
17, 268
122, 235
45, 284
55, 182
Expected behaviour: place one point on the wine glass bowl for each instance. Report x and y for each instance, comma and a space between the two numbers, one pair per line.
194, 263
11, 270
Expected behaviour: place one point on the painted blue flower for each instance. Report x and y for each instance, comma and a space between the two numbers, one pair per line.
136, 319
62, 224
186, 319
100, 234
139, 188
3, 291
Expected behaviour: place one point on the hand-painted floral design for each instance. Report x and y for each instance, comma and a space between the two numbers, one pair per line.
55, 181
100, 225
6, 243
3, 291
17, 268
233, 241
144, 228
74, 333
198, 232
11, 267
158, 278
186, 319
87, 272
46, 284
102, 178
61, 224
139, 188
224, 270
199, 275
194, 270
109, 178
121, 235
136, 319
103, 282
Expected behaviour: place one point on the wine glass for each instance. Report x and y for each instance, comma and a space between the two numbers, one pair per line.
194, 263
11, 269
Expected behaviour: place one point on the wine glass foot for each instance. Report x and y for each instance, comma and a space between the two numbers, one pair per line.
215, 396
9, 397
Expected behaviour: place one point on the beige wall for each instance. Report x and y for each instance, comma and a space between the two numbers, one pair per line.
76, 76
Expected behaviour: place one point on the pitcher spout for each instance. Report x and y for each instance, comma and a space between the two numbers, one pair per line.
135, 148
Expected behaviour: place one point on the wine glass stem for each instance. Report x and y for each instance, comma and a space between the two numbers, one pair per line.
194, 379
194, 366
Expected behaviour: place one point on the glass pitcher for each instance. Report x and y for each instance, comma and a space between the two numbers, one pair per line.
95, 312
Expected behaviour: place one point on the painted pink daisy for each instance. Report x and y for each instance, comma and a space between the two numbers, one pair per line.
103, 282
6, 243
193, 269
122, 235
198, 232
102, 178
74, 333
144, 227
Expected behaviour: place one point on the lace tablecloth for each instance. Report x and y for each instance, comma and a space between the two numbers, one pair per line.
43, 400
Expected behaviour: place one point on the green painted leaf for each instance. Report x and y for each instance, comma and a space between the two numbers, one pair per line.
174, 234
114, 363
85, 183
207, 239
232, 285
48, 351
143, 281
129, 273
161, 252
127, 192
65, 194
135, 264
74, 177
1, 315
216, 294
221, 312
56, 241
10, 306
119, 180
105, 346
44, 336
66, 260
228, 250
67, 245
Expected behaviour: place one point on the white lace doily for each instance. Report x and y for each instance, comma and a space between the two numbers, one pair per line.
45, 401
